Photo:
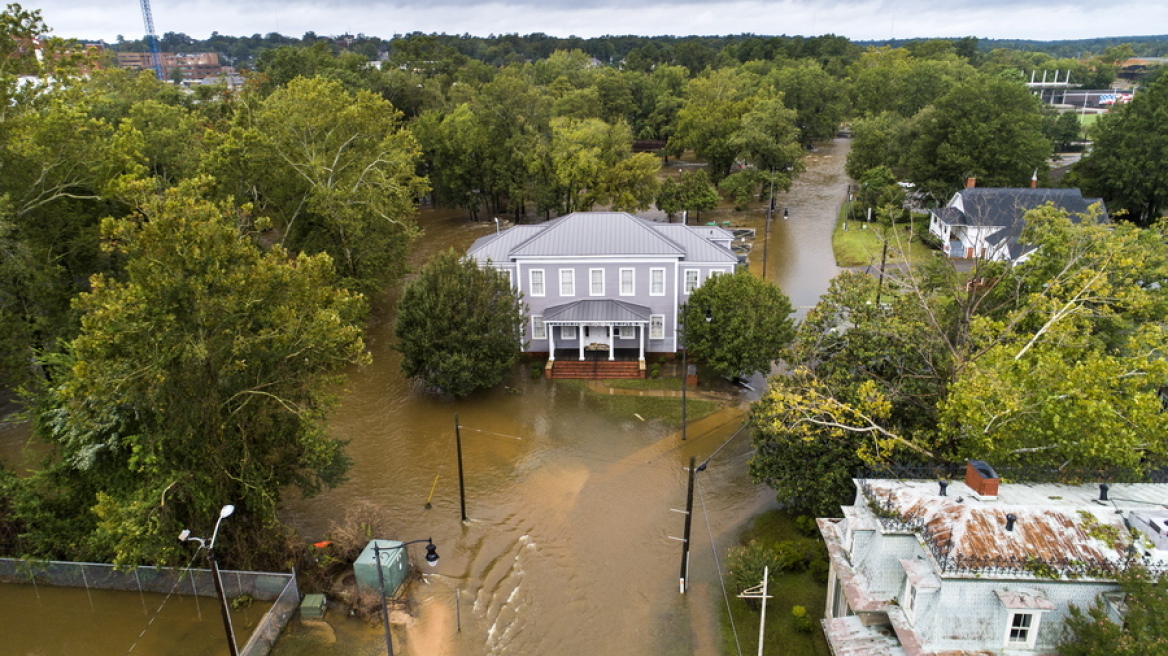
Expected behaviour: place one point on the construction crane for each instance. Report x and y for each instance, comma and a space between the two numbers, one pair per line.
155, 56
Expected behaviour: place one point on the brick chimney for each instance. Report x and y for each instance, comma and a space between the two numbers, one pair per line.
1034, 180
982, 479
970, 183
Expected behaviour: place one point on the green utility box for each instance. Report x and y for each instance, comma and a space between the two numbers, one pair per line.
394, 566
312, 607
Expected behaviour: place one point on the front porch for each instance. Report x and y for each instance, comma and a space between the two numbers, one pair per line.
596, 365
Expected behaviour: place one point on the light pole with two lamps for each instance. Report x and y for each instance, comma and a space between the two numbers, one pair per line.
209, 547
431, 557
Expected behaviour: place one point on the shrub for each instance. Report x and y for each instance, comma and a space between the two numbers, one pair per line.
803, 623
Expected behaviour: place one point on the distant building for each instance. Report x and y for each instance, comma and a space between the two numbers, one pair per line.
982, 567
193, 66
605, 286
985, 222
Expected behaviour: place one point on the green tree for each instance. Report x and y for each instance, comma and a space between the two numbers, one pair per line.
478, 342
696, 193
749, 323
1128, 165
986, 128
818, 99
335, 170
1091, 632
879, 140
201, 376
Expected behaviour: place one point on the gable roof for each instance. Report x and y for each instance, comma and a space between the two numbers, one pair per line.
603, 234
1005, 206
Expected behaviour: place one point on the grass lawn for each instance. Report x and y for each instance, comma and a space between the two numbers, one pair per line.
856, 245
664, 409
787, 591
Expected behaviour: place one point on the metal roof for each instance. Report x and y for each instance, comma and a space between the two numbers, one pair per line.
1052, 521
596, 310
604, 234
597, 233
1005, 206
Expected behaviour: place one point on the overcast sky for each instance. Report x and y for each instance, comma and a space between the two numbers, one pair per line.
855, 19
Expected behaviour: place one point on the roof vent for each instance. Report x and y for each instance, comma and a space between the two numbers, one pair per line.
982, 479
1103, 488
1010, 519
944, 485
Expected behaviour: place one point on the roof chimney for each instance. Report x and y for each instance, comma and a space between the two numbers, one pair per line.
1103, 488
944, 485
982, 479
1034, 180
1010, 519
970, 183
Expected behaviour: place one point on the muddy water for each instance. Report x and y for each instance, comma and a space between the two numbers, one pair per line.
570, 544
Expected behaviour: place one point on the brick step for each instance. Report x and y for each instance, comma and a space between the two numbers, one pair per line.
595, 370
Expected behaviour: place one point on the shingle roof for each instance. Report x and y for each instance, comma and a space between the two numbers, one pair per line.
597, 234
1005, 206
597, 310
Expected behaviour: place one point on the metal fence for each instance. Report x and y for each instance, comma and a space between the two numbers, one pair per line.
279, 588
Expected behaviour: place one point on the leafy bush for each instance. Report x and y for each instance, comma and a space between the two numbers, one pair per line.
803, 623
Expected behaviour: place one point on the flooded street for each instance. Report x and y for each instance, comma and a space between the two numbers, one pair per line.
570, 547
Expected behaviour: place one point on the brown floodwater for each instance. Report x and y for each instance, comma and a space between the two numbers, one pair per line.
570, 547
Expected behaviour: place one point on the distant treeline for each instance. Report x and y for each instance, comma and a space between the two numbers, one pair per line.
636, 52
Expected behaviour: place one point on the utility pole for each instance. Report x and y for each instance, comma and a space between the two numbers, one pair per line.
759, 592
688, 522
384, 606
766, 240
461, 484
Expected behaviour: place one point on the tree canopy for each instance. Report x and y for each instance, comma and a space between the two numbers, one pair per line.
200, 376
737, 323
459, 326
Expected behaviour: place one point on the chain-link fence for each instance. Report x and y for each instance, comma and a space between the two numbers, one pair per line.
279, 588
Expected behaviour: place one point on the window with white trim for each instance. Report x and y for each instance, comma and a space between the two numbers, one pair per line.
538, 327
910, 599
1022, 629
657, 326
628, 279
535, 278
567, 332
596, 282
626, 332
692, 276
656, 282
510, 277
567, 282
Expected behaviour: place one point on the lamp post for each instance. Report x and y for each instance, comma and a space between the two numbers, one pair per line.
431, 557
209, 548
685, 359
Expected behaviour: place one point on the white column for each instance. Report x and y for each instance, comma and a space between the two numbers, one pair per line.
580, 340
611, 343
642, 330
551, 333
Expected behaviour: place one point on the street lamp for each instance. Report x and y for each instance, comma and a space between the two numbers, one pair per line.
209, 548
685, 358
431, 557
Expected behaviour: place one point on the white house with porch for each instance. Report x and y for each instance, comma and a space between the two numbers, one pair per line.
986, 222
921, 568
605, 286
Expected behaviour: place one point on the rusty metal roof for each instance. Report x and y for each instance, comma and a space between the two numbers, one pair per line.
1052, 522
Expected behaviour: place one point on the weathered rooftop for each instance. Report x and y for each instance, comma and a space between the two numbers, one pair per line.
1066, 525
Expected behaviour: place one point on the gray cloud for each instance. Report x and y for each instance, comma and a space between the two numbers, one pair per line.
855, 19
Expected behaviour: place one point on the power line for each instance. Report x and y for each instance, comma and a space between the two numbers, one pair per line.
717, 565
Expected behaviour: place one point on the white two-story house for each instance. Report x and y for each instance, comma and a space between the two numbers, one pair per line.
605, 285
982, 567
986, 222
